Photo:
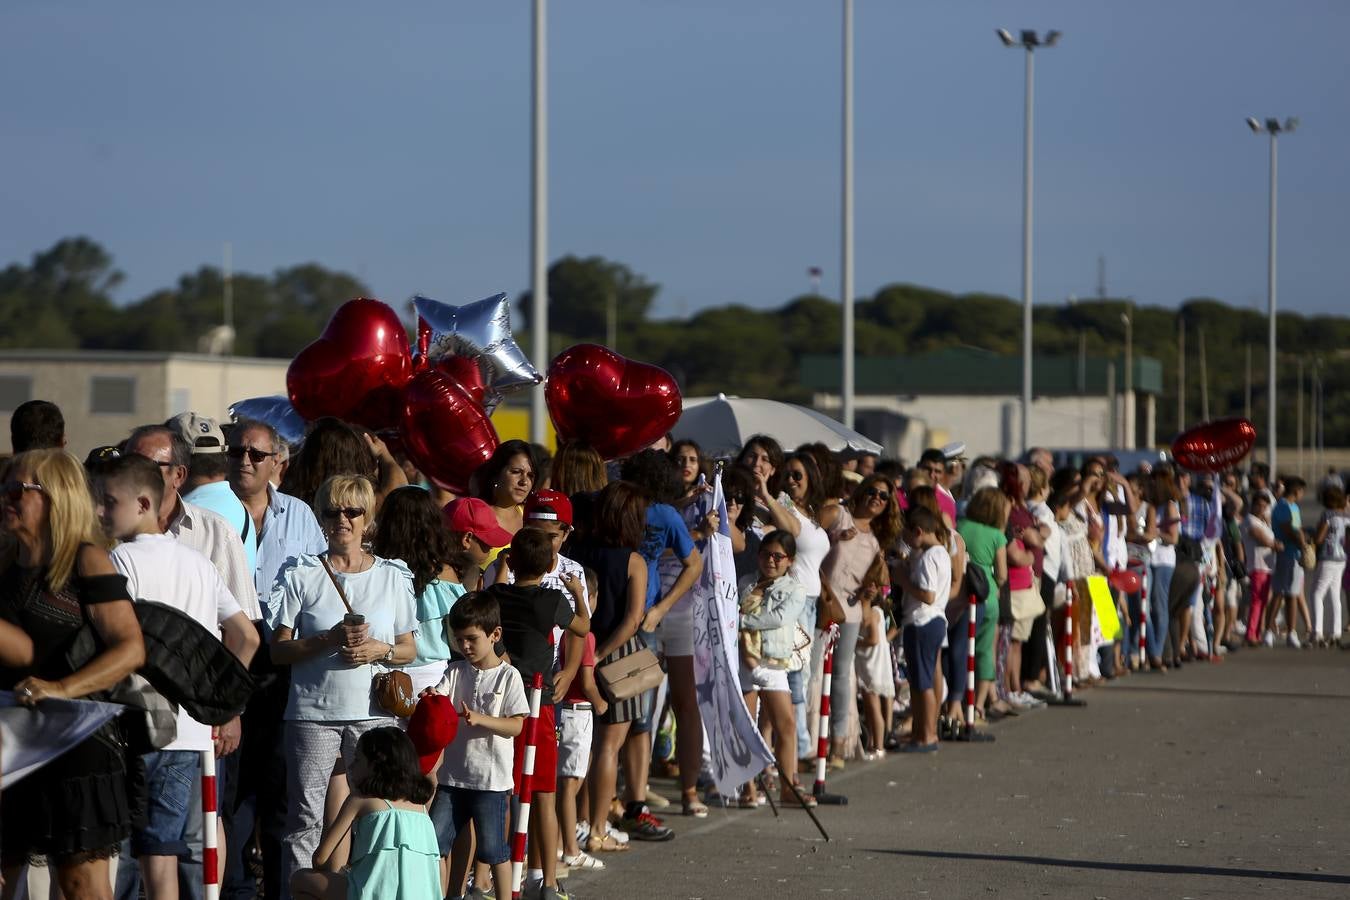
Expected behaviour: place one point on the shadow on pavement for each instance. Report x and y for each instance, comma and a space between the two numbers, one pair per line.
1156, 868
1235, 692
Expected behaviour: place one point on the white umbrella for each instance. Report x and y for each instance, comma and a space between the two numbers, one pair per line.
721, 425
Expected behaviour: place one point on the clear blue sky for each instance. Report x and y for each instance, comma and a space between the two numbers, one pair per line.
696, 141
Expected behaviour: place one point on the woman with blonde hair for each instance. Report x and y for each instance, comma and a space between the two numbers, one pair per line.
983, 529
338, 619
57, 576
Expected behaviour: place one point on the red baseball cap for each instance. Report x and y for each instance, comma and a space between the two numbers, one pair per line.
548, 506
477, 518
432, 727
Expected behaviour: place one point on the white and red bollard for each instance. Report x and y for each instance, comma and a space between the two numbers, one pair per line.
1143, 620
970, 664
1066, 697
210, 851
519, 838
823, 737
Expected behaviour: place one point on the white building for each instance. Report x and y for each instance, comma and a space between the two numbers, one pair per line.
105, 394
971, 395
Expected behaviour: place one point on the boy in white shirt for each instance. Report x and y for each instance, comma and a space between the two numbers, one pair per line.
927, 582
474, 781
159, 568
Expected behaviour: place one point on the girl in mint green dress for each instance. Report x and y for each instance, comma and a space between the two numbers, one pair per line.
394, 854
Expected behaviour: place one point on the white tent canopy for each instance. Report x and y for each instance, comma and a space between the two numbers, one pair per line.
721, 425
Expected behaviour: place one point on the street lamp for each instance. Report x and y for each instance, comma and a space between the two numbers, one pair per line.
1274, 127
1127, 417
846, 255
1029, 40
539, 216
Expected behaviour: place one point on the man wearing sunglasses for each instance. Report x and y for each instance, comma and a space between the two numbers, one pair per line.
283, 527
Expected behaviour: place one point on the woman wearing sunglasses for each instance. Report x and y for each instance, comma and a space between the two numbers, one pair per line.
868, 525
55, 576
334, 653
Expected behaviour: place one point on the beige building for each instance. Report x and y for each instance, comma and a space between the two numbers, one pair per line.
105, 394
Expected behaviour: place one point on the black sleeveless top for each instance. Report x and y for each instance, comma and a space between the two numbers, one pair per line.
51, 618
611, 569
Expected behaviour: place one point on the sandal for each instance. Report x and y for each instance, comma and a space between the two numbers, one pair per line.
606, 844
745, 801
695, 807
790, 800
582, 860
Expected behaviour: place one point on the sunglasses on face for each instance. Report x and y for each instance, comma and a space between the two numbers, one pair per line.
795, 475
874, 494
254, 454
351, 512
772, 556
12, 491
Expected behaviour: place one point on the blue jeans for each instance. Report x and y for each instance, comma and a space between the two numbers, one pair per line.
957, 657
169, 776
1160, 586
454, 807
798, 685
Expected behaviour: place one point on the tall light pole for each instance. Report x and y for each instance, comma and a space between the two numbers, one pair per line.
539, 220
1028, 40
846, 274
1274, 127
1127, 415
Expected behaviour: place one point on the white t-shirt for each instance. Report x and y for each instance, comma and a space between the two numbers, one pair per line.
554, 580
813, 545
211, 535
930, 571
1259, 558
1164, 554
479, 759
1054, 544
159, 568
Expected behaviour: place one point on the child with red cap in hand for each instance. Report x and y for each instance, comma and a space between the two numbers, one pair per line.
529, 614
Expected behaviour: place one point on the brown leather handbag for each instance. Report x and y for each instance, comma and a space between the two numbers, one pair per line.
392, 690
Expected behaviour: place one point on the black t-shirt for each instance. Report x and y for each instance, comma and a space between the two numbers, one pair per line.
610, 602
528, 616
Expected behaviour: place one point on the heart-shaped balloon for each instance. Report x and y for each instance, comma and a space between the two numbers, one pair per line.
614, 404
356, 370
1214, 446
1126, 580
445, 433
468, 374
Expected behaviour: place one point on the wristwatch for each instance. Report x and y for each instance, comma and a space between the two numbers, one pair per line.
388, 655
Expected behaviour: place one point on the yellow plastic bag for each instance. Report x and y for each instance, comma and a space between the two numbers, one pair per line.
1104, 604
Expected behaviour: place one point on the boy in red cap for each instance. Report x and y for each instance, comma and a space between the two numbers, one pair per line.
529, 614
474, 532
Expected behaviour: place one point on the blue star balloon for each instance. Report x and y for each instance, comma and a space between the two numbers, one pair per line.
480, 331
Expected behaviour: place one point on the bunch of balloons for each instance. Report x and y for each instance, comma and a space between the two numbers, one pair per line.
439, 400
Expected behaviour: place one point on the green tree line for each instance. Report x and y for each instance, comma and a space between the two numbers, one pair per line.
63, 298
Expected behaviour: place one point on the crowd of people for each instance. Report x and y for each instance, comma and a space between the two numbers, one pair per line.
394, 631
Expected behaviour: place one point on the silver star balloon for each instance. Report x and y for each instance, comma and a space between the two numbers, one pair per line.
275, 411
480, 331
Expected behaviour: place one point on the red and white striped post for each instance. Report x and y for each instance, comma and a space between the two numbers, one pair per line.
970, 664
1143, 620
210, 851
823, 739
1068, 640
518, 839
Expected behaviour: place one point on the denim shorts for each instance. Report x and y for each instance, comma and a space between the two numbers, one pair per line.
454, 807
922, 643
169, 777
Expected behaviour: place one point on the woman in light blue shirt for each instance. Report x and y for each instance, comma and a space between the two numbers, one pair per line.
332, 662
411, 531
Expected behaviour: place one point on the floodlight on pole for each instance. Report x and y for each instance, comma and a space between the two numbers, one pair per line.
1274, 127
1029, 40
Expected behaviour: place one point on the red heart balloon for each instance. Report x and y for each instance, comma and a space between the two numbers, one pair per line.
467, 373
614, 404
1214, 446
445, 433
356, 370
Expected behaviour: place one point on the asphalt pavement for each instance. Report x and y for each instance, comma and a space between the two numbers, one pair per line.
1217, 780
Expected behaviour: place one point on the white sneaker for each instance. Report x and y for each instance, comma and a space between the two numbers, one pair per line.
1269, 639
1220, 650
1293, 641
620, 836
